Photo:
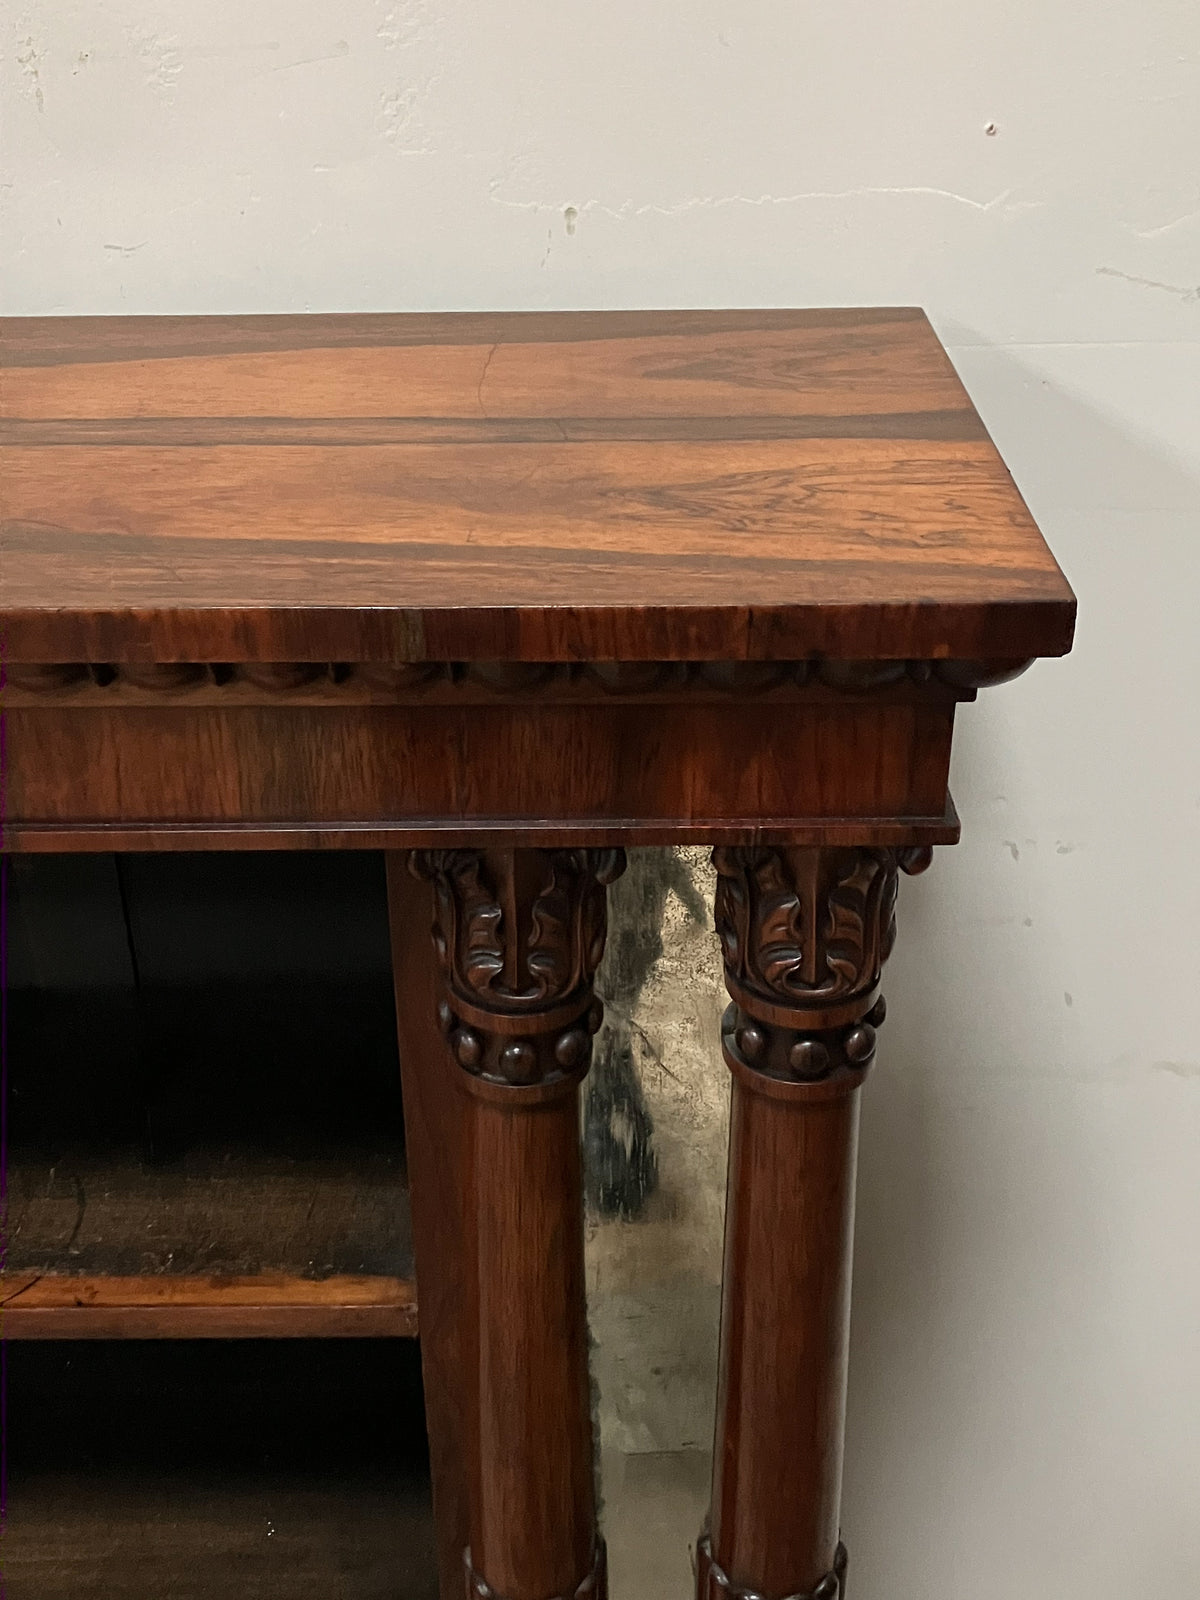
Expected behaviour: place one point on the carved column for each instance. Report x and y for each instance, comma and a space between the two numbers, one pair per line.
804, 934
519, 935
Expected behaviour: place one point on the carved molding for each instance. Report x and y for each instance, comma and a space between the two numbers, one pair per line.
804, 935
593, 1587
519, 935
716, 1584
425, 680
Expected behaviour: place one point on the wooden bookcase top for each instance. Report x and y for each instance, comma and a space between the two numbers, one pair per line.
543, 487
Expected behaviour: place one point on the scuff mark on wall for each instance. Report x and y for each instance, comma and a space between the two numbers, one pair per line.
340, 49
403, 27
161, 60
30, 59
397, 108
1179, 1069
404, 23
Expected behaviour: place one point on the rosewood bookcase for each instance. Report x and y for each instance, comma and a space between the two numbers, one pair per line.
501, 595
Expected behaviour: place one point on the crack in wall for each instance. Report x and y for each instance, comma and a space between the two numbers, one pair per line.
1179, 290
1166, 227
1002, 201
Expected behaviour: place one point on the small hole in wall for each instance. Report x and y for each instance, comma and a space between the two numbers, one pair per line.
991, 130
570, 217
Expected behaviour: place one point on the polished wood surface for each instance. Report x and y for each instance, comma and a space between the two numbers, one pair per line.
744, 485
405, 774
533, 1506
435, 1137
781, 1412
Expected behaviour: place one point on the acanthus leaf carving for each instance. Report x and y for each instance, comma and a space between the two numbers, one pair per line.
805, 933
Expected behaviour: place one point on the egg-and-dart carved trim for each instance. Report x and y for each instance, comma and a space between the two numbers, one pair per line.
432, 681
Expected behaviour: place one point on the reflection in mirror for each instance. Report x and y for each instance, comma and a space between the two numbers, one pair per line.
656, 1109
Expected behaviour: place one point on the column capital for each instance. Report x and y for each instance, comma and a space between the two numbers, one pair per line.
804, 933
519, 935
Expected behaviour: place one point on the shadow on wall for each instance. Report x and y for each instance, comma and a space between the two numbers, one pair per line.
1074, 423
1005, 1418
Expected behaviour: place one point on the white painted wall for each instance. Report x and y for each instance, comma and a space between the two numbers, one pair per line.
1025, 1410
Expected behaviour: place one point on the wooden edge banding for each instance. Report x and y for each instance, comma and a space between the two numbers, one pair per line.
58, 1306
592, 1587
949, 424
422, 833
714, 1584
52, 340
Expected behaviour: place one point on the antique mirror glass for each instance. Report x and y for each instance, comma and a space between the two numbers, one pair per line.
655, 1127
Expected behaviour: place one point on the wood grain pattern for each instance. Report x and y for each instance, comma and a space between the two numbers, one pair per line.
216, 1211
717, 769
621, 486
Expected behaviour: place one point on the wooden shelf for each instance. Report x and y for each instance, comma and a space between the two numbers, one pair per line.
223, 1243
266, 1307
207, 1161
273, 1472
265, 1536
